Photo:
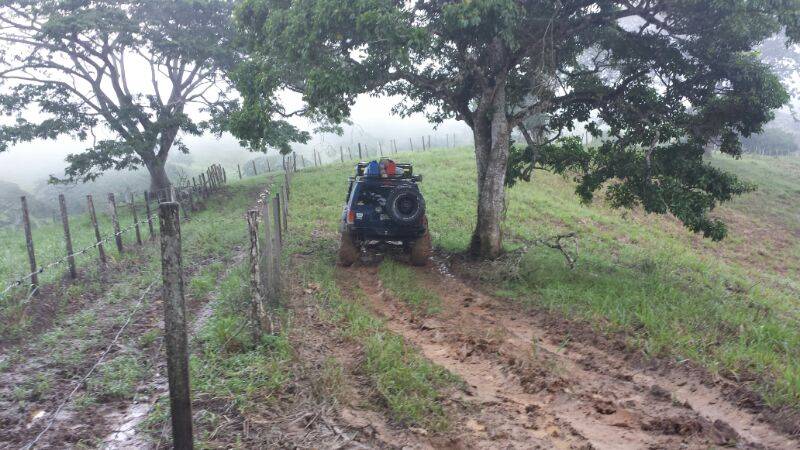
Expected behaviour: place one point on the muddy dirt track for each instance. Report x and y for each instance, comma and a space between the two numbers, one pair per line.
531, 383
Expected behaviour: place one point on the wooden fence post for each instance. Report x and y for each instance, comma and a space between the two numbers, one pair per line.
224, 176
135, 220
115, 220
150, 214
255, 171
294, 162
394, 145
411, 144
359, 152
286, 184
259, 317
349, 153
98, 239
423, 143
26, 222
267, 255
191, 200
429, 142
182, 204
62, 205
380, 148
239, 168
341, 153
175, 326
277, 241
285, 207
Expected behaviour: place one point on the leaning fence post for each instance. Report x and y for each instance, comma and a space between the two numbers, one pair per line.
175, 326
26, 222
411, 144
62, 204
259, 319
224, 176
269, 166
115, 220
294, 162
149, 215
239, 168
135, 220
98, 239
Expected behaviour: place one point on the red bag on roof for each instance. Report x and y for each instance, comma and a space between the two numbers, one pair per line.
390, 167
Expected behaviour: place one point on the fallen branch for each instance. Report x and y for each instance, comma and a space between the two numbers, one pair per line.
555, 242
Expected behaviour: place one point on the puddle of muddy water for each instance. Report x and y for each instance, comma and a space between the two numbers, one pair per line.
126, 435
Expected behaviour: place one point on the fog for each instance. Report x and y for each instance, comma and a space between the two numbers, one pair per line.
30, 164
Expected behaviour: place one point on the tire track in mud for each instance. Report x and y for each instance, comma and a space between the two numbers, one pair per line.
531, 387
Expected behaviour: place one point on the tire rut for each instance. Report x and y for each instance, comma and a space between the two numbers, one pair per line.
529, 387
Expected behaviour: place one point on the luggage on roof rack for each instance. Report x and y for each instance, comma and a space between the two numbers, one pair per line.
402, 170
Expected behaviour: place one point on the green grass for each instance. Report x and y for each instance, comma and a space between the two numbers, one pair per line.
409, 385
403, 282
730, 306
116, 378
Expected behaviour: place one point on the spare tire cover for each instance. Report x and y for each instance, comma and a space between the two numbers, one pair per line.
405, 205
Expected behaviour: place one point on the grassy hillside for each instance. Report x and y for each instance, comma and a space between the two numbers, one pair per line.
731, 306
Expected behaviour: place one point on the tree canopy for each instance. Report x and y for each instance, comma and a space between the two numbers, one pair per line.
658, 80
127, 75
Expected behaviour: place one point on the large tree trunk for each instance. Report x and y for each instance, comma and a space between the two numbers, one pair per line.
159, 181
492, 135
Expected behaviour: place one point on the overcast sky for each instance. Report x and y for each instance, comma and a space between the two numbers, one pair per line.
28, 163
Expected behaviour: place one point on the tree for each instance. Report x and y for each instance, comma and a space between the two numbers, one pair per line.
783, 56
137, 70
772, 142
659, 79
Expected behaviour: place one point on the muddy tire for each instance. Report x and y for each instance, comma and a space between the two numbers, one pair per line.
348, 250
421, 250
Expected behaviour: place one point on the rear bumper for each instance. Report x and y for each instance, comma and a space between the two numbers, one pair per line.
384, 233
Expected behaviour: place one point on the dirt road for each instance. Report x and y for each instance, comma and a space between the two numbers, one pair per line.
532, 383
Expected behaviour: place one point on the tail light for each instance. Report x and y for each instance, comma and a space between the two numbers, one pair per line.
351, 216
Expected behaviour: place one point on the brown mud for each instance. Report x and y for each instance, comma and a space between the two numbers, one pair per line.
532, 382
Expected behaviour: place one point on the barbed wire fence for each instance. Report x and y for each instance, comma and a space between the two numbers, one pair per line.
191, 196
176, 204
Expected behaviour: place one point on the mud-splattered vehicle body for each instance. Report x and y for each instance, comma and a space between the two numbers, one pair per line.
384, 209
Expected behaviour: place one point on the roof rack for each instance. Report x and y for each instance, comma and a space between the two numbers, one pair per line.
408, 170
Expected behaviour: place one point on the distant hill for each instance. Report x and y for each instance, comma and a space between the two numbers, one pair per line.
11, 211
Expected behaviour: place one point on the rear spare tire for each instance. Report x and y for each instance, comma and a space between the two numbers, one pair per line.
405, 205
348, 250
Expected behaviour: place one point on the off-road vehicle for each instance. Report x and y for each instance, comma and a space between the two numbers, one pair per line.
384, 207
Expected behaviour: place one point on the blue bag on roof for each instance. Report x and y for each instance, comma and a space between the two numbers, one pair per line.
373, 170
